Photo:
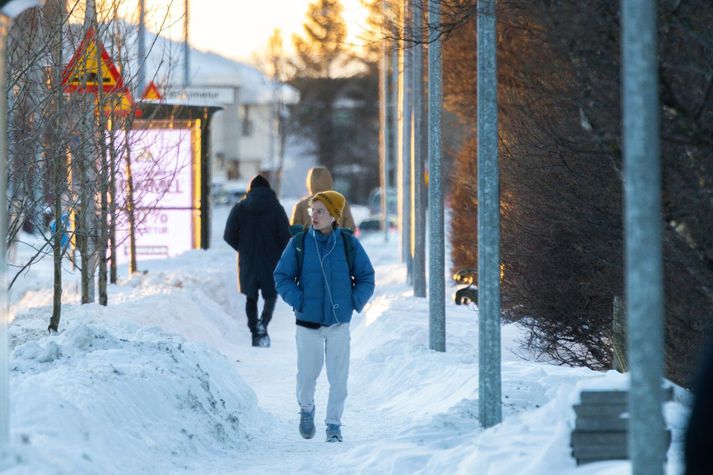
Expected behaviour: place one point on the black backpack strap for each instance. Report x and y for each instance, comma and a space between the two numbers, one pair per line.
349, 250
299, 252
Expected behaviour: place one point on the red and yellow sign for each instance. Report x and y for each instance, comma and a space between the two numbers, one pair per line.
91, 67
120, 104
151, 93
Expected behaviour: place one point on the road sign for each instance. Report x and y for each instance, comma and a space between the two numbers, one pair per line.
151, 93
91, 67
201, 95
120, 104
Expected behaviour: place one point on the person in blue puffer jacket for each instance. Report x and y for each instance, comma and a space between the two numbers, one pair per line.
314, 277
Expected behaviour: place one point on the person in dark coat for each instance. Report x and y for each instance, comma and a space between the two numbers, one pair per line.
699, 433
258, 229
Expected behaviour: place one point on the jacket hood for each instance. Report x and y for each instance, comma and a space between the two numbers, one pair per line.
319, 179
259, 200
259, 181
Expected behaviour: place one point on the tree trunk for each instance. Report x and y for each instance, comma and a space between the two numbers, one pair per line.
100, 145
112, 202
56, 149
83, 227
130, 205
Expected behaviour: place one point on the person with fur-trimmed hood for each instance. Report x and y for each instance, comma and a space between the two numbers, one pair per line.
319, 179
324, 274
257, 228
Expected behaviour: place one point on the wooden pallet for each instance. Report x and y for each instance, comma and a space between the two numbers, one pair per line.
601, 426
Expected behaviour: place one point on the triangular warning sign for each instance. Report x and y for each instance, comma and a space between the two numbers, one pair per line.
90, 68
151, 93
120, 105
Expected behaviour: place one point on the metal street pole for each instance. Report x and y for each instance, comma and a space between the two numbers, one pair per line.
383, 128
5, 23
406, 119
489, 388
643, 240
436, 239
8, 12
142, 47
394, 106
186, 44
419, 205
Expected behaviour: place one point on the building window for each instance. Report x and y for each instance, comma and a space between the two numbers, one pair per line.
247, 123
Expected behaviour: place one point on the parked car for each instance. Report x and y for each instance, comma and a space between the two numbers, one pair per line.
392, 201
228, 193
373, 224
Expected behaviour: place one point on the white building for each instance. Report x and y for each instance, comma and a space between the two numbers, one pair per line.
244, 135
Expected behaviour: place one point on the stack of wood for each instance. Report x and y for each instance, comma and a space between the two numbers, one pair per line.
601, 427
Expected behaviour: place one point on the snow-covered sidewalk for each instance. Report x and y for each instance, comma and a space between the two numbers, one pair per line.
164, 380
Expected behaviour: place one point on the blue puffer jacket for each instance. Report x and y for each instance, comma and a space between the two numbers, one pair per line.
315, 298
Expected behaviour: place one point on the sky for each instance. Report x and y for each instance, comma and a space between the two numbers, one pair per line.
238, 29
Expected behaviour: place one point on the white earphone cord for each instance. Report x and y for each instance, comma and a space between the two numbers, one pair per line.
324, 275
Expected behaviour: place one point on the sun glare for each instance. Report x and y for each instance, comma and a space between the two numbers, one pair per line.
237, 30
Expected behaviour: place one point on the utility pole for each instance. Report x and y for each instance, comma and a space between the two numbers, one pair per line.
5, 24
406, 117
643, 240
142, 48
186, 45
419, 205
489, 388
436, 239
9, 11
383, 128
394, 107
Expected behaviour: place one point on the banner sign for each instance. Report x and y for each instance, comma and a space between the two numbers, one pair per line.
164, 169
200, 96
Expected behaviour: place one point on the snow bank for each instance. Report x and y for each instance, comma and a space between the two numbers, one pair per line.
164, 381
113, 392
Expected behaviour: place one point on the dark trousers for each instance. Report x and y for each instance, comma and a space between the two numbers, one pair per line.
251, 310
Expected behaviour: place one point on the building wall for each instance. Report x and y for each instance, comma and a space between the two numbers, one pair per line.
243, 141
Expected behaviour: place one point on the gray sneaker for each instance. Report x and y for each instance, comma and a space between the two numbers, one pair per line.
307, 428
334, 433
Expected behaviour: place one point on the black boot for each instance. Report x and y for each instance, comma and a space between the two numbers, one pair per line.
251, 312
267, 309
256, 339
262, 337
265, 317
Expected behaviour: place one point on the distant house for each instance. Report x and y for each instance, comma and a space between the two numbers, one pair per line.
244, 135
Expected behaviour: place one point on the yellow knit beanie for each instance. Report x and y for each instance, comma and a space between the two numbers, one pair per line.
332, 200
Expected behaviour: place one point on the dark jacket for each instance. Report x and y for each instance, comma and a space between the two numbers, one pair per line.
699, 433
258, 229
324, 294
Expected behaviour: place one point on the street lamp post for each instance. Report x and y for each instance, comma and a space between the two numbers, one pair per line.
418, 214
406, 137
643, 235
9, 10
489, 385
436, 237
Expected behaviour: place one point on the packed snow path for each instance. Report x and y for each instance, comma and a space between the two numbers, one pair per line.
164, 380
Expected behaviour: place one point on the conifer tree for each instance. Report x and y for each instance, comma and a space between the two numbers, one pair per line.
321, 49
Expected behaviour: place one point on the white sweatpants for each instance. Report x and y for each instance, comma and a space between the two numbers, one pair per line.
312, 347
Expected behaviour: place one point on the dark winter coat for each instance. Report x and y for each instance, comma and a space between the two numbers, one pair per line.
324, 293
258, 229
699, 433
